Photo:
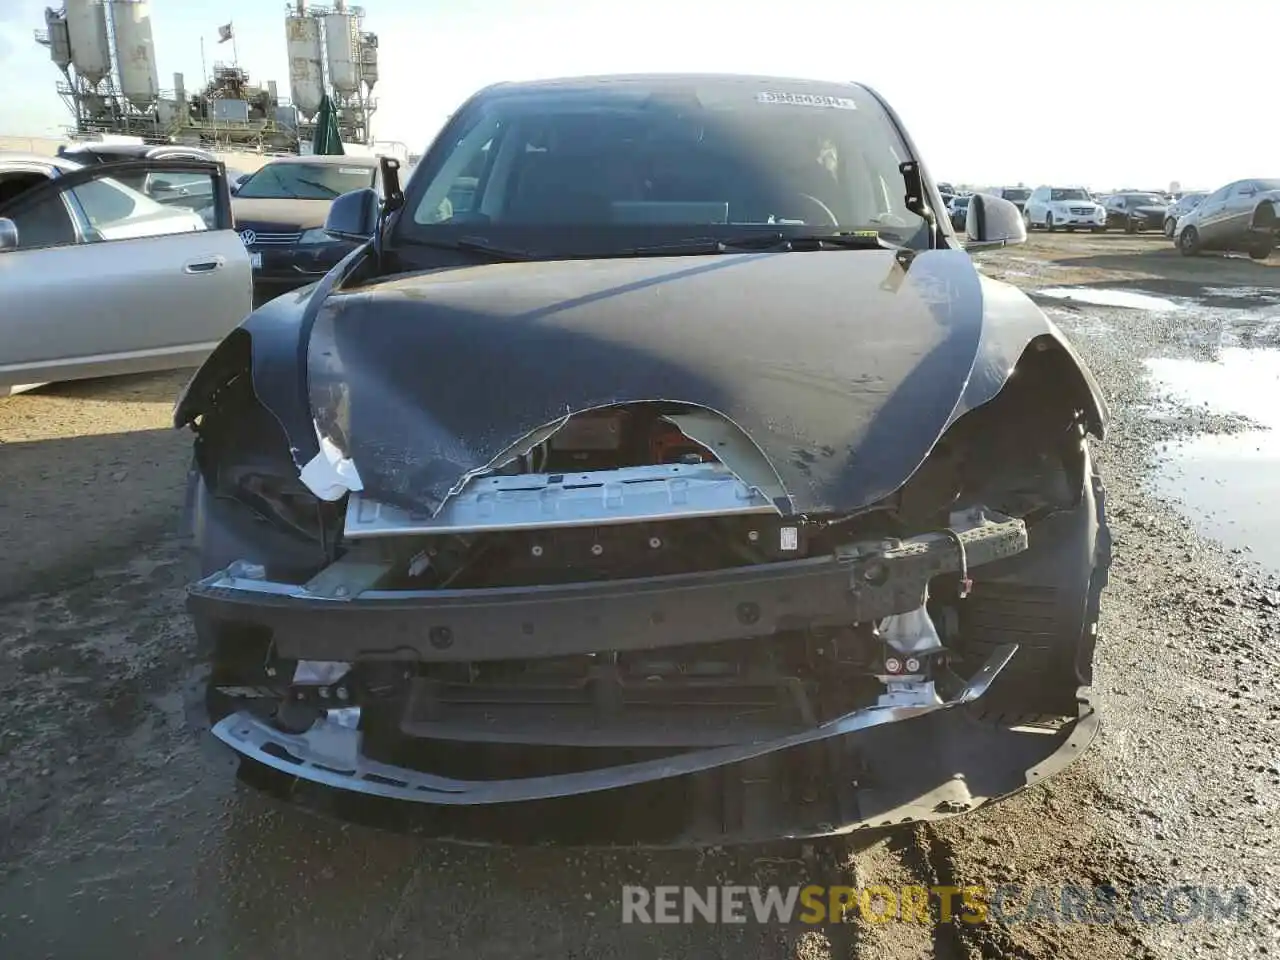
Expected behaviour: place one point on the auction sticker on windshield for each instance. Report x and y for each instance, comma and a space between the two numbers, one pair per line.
352, 171
807, 100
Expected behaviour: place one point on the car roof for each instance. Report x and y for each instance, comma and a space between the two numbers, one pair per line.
329, 159
660, 81
20, 156
128, 149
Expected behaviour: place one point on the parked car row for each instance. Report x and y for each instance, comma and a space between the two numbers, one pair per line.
1242, 216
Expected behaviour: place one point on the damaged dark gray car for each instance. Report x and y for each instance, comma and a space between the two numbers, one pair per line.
663, 436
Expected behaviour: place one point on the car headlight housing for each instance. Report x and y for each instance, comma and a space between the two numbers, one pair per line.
316, 235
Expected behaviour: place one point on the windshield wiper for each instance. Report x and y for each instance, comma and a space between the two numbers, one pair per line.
476, 245
847, 240
328, 190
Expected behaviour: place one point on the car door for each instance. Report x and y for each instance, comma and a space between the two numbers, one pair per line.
103, 280
1237, 211
1212, 213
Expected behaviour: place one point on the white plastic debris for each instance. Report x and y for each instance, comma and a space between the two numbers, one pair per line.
330, 475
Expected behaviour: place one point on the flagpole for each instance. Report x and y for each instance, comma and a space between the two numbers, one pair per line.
235, 54
204, 70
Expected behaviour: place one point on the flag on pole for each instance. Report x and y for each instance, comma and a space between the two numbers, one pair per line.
225, 33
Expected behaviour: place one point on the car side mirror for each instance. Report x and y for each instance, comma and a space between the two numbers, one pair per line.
993, 222
8, 234
354, 215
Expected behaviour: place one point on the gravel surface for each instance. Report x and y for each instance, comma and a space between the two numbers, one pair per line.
123, 831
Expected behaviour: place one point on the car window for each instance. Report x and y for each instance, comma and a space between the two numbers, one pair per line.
306, 181
105, 209
14, 183
1220, 193
177, 182
719, 156
39, 225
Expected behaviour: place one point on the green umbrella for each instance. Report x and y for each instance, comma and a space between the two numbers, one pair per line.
327, 140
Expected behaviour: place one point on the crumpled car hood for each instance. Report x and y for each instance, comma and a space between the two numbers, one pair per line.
844, 367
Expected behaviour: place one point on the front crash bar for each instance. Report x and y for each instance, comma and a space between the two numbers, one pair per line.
329, 754
859, 582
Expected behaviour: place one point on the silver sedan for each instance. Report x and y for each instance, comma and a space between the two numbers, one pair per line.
1243, 216
114, 268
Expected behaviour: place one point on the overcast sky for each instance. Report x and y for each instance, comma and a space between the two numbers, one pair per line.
1108, 93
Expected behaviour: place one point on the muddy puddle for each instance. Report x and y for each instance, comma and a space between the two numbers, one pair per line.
1228, 484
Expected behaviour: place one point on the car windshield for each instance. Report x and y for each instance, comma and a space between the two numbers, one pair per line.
1016, 193
1145, 200
305, 181
1070, 193
606, 168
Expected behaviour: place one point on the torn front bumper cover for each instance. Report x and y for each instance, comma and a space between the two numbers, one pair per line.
330, 753
901, 765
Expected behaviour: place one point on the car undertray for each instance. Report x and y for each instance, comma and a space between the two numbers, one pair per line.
928, 768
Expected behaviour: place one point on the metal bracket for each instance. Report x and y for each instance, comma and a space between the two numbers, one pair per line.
347, 578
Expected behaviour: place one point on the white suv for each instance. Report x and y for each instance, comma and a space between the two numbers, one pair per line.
1069, 207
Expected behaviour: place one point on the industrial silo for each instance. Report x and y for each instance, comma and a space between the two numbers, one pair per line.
342, 43
135, 52
87, 34
369, 59
59, 39
306, 52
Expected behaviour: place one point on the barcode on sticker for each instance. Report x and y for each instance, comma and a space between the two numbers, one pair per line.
789, 538
807, 100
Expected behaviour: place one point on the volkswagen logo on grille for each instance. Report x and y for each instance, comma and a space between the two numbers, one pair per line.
248, 237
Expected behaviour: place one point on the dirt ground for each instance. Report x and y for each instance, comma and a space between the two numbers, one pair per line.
124, 832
